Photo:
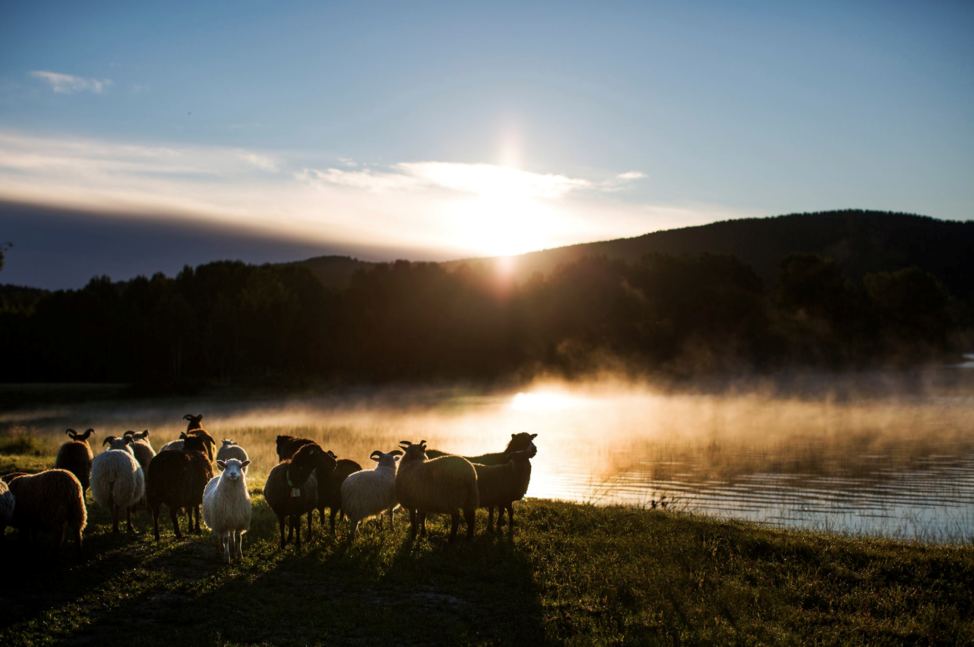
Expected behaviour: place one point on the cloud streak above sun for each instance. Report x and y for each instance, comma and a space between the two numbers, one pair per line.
69, 84
422, 210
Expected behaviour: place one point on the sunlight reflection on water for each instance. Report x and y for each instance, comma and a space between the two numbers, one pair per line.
892, 463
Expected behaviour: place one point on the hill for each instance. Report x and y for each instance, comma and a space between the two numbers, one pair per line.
334, 271
862, 241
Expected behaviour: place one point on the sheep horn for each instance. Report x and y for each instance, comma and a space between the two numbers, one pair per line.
145, 433
129, 433
396, 452
108, 439
332, 454
187, 417
405, 442
71, 432
372, 455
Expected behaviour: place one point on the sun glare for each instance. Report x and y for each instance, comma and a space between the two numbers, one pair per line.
543, 401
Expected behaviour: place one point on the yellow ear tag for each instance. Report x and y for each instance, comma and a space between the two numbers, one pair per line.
295, 493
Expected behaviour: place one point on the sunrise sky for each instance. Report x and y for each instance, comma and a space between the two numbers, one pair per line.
446, 130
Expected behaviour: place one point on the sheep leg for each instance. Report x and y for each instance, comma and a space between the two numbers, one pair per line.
392, 518
174, 515
412, 523
334, 511
238, 541
422, 523
77, 542
155, 522
128, 521
196, 514
354, 524
114, 518
490, 518
454, 524
470, 516
280, 521
510, 515
310, 517
225, 538
297, 531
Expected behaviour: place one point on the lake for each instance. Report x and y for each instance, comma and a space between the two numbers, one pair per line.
876, 454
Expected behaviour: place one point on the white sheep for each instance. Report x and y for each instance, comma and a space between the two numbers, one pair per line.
117, 480
229, 450
368, 493
227, 508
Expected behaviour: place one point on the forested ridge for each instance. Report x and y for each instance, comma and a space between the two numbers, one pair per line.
675, 314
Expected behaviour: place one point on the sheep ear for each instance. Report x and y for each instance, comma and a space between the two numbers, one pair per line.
332, 454
533, 436
145, 433
222, 465
245, 464
397, 458
513, 435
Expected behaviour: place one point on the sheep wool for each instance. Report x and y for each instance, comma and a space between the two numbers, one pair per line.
50, 501
369, 493
227, 508
117, 481
75, 456
445, 485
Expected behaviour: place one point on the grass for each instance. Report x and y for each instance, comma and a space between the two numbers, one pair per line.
570, 574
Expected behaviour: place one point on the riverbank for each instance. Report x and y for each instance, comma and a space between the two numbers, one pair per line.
570, 574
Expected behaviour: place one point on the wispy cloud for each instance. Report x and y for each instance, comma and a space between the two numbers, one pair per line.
423, 210
69, 84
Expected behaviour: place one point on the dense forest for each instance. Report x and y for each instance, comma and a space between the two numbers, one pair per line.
661, 314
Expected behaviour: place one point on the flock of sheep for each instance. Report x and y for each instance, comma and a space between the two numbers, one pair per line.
130, 474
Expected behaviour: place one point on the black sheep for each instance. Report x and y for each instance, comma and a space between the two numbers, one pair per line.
291, 489
177, 478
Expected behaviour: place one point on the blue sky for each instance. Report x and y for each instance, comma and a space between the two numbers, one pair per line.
438, 130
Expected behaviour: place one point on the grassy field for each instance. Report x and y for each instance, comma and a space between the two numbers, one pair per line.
569, 574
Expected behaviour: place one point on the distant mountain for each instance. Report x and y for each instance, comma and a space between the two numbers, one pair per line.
862, 241
334, 271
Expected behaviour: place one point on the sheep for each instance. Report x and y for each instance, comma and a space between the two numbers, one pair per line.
368, 493
519, 442
177, 479
142, 448
75, 456
502, 485
7, 504
292, 488
229, 450
193, 424
287, 445
330, 489
446, 484
226, 506
117, 480
52, 500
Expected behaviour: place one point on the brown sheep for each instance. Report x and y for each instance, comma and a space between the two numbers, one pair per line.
291, 489
177, 479
502, 485
521, 441
287, 445
75, 456
50, 501
445, 485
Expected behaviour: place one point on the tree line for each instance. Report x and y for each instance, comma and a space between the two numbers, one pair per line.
678, 315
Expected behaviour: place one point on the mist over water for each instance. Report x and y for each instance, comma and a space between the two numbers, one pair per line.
884, 454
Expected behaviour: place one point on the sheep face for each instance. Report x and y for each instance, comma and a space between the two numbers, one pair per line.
233, 468
193, 422
386, 460
413, 452
308, 459
522, 441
